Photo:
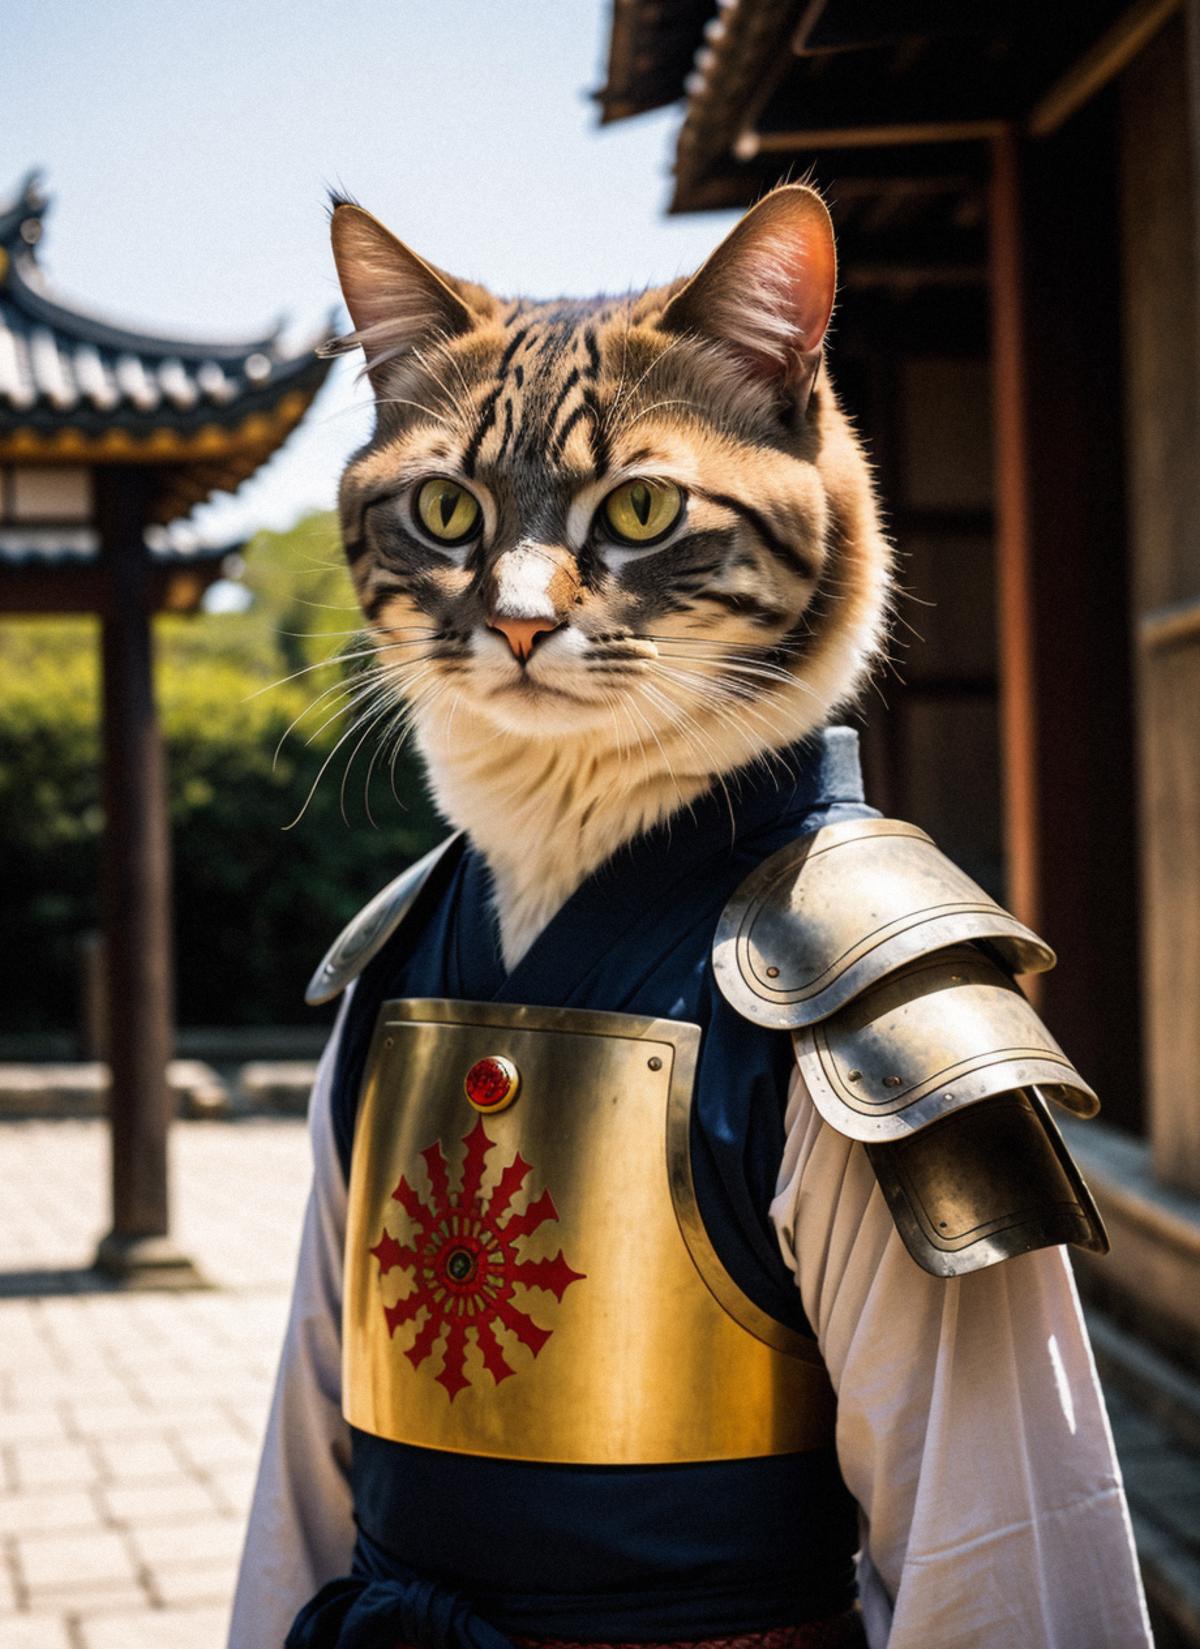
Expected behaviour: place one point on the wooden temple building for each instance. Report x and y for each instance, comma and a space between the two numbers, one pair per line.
108, 438
1016, 189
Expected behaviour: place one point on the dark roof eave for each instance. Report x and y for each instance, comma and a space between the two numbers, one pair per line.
82, 327
734, 79
652, 46
612, 111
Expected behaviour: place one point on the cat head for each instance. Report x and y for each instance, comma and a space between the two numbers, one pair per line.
637, 522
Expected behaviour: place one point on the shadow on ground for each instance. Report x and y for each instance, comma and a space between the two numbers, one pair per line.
50, 1281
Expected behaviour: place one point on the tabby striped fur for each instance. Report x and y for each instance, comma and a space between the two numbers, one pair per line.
671, 666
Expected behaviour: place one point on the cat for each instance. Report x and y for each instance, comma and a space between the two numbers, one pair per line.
608, 551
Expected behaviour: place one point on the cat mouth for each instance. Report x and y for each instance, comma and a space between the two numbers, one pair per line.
525, 687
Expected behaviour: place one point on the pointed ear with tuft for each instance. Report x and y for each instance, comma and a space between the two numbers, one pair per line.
766, 293
396, 300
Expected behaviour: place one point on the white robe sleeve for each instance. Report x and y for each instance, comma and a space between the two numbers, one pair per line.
971, 1429
301, 1528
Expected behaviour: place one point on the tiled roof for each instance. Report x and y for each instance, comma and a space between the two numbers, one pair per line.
62, 366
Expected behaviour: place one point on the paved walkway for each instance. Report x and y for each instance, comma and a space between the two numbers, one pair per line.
129, 1423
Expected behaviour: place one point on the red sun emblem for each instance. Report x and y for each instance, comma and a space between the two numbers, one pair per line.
465, 1266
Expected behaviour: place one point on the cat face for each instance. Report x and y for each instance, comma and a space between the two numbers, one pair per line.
623, 520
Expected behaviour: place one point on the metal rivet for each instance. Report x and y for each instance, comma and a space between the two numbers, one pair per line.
389, 1041
853, 1076
892, 1081
491, 1084
772, 973
655, 1063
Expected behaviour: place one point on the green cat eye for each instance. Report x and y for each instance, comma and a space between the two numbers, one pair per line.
638, 512
447, 511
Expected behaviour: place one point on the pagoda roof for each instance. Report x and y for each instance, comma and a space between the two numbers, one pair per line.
76, 387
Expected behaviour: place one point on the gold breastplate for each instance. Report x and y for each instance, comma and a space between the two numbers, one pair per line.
527, 1273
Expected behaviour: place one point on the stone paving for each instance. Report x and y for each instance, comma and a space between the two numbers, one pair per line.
130, 1423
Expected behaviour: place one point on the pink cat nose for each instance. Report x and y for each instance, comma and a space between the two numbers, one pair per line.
521, 633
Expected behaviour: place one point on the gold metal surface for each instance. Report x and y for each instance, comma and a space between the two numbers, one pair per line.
944, 1033
707, 1261
586, 1330
367, 933
827, 916
986, 1184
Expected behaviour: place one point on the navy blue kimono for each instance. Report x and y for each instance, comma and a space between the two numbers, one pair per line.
459, 1550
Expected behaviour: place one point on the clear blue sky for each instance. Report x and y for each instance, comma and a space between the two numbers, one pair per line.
188, 147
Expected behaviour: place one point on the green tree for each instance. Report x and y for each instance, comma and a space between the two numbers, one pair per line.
264, 874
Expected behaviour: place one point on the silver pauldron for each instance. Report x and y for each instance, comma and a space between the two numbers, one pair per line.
368, 932
893, 972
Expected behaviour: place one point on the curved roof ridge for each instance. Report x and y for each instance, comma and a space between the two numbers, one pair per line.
84, 326
27, 203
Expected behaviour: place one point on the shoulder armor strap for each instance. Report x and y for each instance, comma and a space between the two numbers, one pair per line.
819, 921
366, 935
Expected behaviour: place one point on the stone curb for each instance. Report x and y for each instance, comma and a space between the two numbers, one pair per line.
45, 1092
275, 1087
78, 1090
81, 1090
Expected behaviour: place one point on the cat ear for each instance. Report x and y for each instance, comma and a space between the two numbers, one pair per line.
396, 300
767, 291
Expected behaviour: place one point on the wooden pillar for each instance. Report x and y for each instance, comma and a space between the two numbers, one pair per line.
1160, 219
136, 899
1014, 535
1063, 596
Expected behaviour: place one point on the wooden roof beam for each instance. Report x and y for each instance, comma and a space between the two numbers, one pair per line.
1100, 64
750, 145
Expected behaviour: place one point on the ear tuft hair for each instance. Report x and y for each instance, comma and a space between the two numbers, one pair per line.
337, 196
766, 294
396, 300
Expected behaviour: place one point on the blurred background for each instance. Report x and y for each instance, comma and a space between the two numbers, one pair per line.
184, 823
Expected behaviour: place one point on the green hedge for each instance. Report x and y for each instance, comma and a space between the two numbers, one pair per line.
255, 902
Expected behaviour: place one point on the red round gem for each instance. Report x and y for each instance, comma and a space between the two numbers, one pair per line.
491, 1083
